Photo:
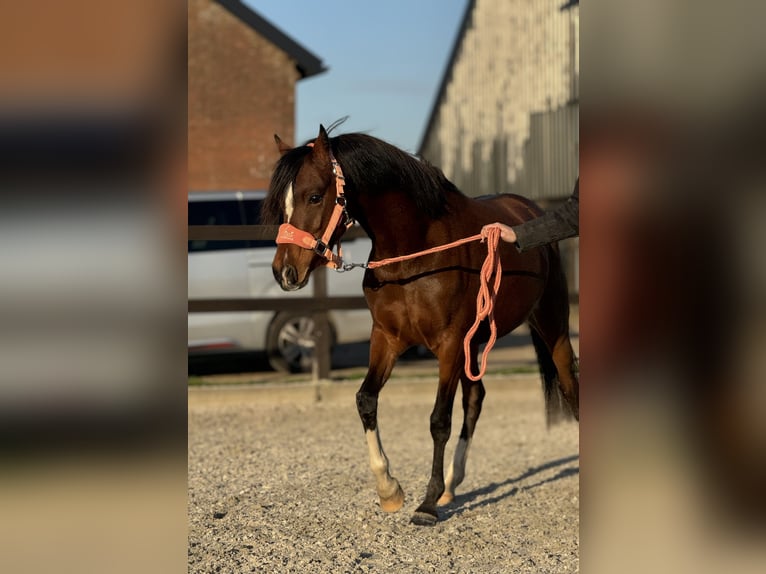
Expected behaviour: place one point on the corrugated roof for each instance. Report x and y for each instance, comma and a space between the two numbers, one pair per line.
307, 63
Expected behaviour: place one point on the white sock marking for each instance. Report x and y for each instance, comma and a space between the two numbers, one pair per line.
378, 460
456, 472
386, 484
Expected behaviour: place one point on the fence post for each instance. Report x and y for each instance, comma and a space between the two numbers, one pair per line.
323, 348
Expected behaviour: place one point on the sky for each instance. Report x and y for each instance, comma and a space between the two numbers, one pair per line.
385, 62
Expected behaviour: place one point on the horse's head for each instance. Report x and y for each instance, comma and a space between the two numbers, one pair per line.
307, 191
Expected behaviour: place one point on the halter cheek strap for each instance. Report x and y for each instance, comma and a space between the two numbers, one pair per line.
290, 234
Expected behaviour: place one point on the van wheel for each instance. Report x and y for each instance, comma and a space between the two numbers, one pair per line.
291, 340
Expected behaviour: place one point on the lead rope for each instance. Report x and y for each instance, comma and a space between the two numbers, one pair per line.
485, 303
485, 300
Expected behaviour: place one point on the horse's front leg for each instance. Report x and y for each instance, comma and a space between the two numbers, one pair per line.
384, 351
450, 367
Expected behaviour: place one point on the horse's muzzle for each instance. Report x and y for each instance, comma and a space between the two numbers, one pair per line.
288, 278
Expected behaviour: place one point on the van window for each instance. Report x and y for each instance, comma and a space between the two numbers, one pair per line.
252, 208
215, 213
226, 212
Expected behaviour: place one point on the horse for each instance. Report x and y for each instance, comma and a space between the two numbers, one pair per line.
407, 205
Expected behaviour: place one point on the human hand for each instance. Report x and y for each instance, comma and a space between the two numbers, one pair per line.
506, 233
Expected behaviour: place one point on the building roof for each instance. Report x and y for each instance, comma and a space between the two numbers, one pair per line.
307, 63
464, 25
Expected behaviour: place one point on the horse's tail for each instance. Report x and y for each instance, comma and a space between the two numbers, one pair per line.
556, 409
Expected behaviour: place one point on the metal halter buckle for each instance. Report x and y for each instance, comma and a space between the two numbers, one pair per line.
320, 247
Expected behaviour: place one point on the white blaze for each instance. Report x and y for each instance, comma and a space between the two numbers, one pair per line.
289, 199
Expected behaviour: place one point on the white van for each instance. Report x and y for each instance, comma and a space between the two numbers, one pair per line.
237, 269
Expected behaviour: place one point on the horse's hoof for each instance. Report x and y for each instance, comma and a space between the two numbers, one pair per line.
394, 502
421, 518
445, 499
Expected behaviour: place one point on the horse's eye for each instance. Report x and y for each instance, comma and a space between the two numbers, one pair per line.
315, 199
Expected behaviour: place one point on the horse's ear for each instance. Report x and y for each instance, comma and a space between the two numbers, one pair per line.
323, 135
322, 146
281, 146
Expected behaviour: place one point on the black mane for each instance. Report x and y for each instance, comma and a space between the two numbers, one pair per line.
370, 165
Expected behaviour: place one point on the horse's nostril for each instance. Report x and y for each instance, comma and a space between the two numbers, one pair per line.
290, 275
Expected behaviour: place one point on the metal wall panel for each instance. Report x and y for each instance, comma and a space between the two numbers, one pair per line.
506, 118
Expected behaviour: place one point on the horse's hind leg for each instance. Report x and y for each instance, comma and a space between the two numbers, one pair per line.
558, 368
383, 354
473, 397
558, 364
569, 382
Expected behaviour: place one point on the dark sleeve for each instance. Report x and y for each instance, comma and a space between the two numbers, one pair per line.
561, 223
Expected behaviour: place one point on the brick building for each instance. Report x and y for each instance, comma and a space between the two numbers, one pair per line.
241, 90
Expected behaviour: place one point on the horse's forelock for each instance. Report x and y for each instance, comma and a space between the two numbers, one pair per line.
285, 172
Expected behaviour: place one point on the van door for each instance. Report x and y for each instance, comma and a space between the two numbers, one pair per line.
218, 270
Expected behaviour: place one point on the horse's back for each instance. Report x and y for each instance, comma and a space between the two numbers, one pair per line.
514, 208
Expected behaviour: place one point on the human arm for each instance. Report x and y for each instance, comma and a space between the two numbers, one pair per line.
555, 225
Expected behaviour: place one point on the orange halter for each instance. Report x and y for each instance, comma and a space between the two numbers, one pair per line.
290, 234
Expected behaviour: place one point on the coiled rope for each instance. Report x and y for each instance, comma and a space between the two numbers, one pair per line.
485, 300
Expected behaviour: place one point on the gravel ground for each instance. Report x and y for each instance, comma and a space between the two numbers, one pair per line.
279, 482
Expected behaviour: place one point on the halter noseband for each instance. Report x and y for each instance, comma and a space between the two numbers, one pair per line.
290, 234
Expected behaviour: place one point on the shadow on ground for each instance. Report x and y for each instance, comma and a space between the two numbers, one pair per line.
476, 498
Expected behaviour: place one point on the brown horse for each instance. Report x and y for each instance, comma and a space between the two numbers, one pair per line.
406, 205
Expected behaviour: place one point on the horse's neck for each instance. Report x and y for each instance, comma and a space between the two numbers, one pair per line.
393, 224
